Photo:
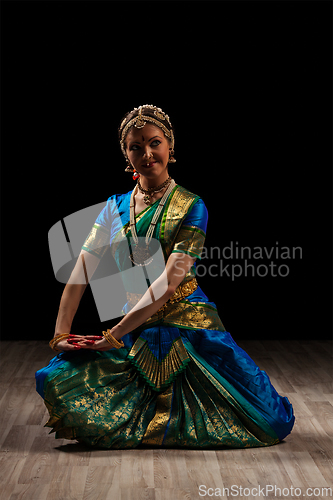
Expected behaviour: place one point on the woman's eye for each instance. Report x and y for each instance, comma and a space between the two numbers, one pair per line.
136, 147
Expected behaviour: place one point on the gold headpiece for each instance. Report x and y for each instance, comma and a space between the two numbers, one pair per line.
140, 121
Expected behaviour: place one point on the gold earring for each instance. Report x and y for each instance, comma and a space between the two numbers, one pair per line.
129, 167
171, 159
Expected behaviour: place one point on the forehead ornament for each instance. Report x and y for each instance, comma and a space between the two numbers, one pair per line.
139, 122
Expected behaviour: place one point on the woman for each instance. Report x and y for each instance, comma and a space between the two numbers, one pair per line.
168, 374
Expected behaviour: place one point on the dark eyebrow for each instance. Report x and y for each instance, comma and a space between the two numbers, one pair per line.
154, 137
137, 142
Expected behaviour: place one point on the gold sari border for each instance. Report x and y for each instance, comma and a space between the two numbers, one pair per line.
186, 314
179, 203
101, 228
188, 252
195, 229
184, 289
157, 427
194, 315
159, 374
97, 242
165, 211
189, 241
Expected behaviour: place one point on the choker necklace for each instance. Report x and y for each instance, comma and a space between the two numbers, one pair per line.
140, 255
152, 190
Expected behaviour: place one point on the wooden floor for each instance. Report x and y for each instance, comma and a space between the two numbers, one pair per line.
35, 466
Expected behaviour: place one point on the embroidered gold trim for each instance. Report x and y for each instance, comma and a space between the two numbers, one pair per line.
157, 426
97, 241
179, 205
182, 291
197, 315
186, 314
189, 240
159, 374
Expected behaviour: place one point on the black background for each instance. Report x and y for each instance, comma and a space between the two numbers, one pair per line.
247, 86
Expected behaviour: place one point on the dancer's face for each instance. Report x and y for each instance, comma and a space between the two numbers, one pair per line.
148, 149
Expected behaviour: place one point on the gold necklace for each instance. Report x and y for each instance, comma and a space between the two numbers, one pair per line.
152, 190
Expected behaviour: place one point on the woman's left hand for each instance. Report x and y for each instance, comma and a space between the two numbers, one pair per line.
101, 345
93, 342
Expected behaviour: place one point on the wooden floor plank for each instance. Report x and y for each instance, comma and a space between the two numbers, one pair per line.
102, 482
31, 491
68, 482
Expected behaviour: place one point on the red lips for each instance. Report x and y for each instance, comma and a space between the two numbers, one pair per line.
149, 164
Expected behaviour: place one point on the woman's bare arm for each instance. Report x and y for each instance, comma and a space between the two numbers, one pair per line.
159, 292
83, 271
156, 296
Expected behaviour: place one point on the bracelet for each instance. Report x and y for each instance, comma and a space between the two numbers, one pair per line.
110, 338
57, 339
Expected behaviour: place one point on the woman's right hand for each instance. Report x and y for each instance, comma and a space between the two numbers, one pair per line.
77, 342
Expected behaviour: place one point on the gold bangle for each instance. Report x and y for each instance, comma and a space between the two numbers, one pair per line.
57, 339
110, 338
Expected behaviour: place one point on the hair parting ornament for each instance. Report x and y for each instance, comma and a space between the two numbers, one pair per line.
140, 120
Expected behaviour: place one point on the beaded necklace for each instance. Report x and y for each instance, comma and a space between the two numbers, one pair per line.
140, 256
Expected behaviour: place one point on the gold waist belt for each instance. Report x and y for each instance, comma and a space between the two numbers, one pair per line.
183, 290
